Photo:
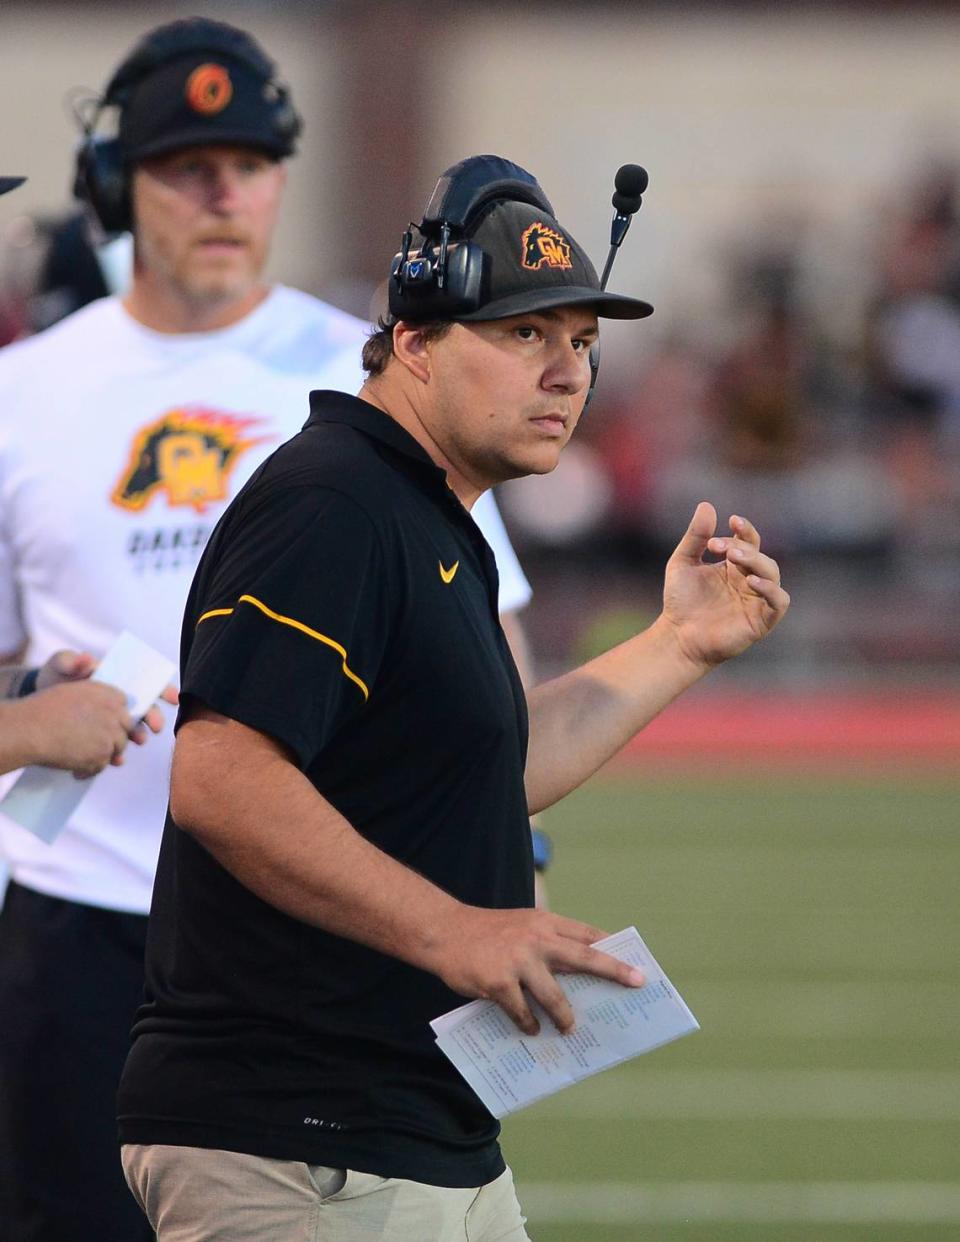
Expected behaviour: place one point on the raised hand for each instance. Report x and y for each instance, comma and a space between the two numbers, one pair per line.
719, 609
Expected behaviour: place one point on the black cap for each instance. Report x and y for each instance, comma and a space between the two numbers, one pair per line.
10, 183
534, 264
203, 99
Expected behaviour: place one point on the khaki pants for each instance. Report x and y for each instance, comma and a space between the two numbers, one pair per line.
191, 1194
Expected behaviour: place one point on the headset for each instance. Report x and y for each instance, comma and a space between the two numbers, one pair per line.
444, 278
102, 176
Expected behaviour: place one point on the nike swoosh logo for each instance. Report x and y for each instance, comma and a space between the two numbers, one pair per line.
448, 574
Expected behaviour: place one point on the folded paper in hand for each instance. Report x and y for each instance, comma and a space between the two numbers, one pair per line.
509, 1070
43, 799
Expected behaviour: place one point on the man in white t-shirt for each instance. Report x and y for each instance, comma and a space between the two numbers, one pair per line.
72, 723
124, 431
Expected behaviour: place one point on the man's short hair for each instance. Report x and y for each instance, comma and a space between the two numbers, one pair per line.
378, 349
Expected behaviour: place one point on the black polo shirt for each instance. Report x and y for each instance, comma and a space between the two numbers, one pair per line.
346, 605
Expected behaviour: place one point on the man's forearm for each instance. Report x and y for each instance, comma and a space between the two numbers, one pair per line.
239, 794
580, 720
713, 611
237, 791
18, 746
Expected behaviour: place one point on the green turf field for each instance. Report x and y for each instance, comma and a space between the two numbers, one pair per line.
813, 927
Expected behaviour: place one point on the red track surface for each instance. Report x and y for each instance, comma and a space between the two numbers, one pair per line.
908, 728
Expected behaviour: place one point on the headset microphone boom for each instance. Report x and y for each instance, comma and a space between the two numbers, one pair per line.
629, 185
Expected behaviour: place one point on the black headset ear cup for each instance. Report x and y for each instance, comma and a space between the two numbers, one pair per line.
286, 119
103, 182
415, 293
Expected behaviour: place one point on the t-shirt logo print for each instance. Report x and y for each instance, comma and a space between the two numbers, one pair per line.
544, 246
209, 89
187, 454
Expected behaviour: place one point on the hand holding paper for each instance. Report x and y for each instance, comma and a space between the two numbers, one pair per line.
43, 798
509, 1070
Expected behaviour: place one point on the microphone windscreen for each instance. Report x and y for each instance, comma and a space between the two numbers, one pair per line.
631, 180
624, 205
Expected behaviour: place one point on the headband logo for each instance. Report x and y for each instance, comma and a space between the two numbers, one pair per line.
209, 89
542, 245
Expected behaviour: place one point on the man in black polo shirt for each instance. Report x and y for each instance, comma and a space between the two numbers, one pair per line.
347, 854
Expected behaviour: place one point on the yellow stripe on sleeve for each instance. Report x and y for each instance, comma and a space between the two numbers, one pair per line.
297, 625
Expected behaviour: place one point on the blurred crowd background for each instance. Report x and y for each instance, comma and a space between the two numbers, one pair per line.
800, 240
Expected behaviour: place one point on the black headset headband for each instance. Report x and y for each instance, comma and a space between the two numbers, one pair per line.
466, 188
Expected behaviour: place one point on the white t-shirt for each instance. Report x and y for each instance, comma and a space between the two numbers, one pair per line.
120, 447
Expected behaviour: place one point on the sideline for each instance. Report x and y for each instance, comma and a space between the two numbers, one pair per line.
766, 1203
759, 1094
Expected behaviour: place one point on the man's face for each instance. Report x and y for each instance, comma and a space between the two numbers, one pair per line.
203, 221
505, 395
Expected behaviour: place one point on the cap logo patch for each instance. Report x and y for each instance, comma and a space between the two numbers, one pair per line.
544, 246
209, 89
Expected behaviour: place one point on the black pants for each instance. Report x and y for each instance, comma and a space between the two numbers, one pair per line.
71, 977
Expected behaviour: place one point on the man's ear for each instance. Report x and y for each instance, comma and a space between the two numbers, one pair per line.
411, 350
